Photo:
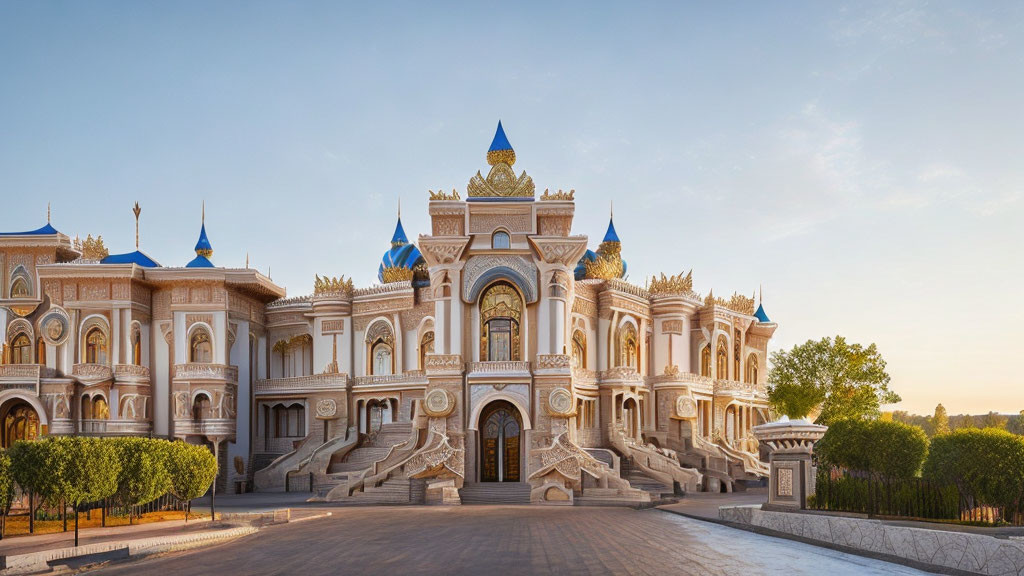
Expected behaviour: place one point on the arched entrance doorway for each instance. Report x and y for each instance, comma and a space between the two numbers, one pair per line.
501, 432
20, 421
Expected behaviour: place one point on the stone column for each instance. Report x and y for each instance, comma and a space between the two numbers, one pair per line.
790, 445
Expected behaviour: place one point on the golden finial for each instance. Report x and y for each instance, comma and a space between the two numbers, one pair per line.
247, 260
399, 207
760, 294
47, 212
611, 209
204, 212
137, 210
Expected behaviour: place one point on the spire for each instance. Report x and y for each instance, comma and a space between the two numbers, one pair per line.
760, 314
137, 210
501, 151
204, 250
610, 235
399, 238
47, 212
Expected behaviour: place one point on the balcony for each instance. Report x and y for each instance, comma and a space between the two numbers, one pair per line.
694, 382
92, 374
444, 364
200, 371
625, 375
131, 373
410, 377
500, 371
553, 364
114, 427
742, 390
20, 377
302, 384
221, 428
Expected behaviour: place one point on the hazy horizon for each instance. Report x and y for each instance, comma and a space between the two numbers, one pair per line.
860, 162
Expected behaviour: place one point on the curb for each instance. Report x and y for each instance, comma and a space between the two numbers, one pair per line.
43, 560
932, 568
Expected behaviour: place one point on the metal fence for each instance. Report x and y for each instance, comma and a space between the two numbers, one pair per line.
841, 490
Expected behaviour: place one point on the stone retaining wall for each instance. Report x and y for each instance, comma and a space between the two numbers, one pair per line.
956, 551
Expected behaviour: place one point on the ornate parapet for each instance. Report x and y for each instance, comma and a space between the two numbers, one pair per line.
739, 390
409, 378
131, 374
91, 374
504, 368
220, 428
202, 371
302, 384
90, 427
620, 375
20, 377
443, 364
553, 364
688, 380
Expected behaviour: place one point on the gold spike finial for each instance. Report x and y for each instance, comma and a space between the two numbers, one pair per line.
204, 212
399, 207
47, 212
246, 260
137, 210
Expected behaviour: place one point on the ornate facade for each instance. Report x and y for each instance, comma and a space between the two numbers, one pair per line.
498, 359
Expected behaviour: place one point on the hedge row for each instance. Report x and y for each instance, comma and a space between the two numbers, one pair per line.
131, 471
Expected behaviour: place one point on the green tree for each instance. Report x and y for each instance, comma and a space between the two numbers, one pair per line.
993, 420
966, 421
845, 380
192, 469
86, 470
987, 465
940, 421
31, 466
6, 490
888, 448
1016, 424
144, 476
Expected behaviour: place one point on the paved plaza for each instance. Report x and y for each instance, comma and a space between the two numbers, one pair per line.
498, 540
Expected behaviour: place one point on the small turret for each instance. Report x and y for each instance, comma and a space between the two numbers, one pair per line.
204, 250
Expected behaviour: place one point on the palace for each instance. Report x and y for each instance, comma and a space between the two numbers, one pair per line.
499, 359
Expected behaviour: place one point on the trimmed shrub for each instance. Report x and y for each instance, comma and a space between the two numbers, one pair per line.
192, 469
144, 476
987, 466
887, 448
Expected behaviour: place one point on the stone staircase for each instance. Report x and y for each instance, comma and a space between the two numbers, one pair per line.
637, 479
391, 491
495, 493
373, 448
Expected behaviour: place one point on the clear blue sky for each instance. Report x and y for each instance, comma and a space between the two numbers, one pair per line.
861, 161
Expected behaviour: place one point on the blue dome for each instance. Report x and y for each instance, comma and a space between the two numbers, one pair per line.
44, 231
200, 262
402, 254
761, 316
581, 266
137, 258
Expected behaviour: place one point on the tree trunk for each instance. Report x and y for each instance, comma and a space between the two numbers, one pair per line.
76, 526
31, 513
103, 514
64, 514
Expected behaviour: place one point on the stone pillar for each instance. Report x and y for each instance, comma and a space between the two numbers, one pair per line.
790, 445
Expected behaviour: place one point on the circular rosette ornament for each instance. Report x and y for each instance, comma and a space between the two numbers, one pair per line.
685, 406
438, 403
326, 408
560, 402
55, 328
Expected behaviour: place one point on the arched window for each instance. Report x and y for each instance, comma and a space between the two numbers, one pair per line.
200, 347
579, 349
752, 369
289, 421
630, 347
201, 407
136, 348
20, 423
381, 355
705, 361
21, 349
95, 346
500, 240
20, 288
426, 347
100, 409
501, 310
722, 360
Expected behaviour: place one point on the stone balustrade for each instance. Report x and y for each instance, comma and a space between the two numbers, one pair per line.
409, 377
446, 364
215, 427
121, 427
131, 372
553, 363
517, 367
311, 383
20, 371
620, 374
694, 381
202, 371
92, 373
736, 388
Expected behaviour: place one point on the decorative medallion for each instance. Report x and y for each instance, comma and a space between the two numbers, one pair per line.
55, 328
326, 408
438, 403
560, 402
685, 407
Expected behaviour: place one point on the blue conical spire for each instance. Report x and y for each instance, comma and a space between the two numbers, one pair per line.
610, 235
203, 247
399, 238
500, 141
761, 315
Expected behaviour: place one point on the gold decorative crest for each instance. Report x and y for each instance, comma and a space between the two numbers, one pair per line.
92, 248
501, 182
736, 303
678, 284
442, 195
547, 195
329, 285
608, 263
